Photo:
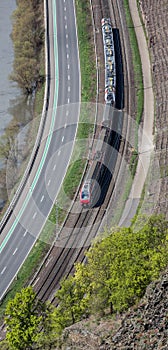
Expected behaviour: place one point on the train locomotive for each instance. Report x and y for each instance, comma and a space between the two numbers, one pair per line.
90, 192
85, 193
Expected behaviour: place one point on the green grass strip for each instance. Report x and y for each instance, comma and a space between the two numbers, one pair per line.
138, 79
86, 52
88, 91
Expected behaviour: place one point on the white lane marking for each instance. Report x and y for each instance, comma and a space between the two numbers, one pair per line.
64, 0
69, 77
66, 26
25, 233
67, 112
34, 215
67, 46
3, 270
69, 88
15, 251
68, 100
65, 17
67, 55
54, 167
68, 66
62, 138
48, 182
41, 198
59, 152
65, 125
65, 8
66, 36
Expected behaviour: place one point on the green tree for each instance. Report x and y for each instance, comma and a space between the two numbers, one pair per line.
28, 38
4, 345
52, 328
72, 301
124, 262
23, 320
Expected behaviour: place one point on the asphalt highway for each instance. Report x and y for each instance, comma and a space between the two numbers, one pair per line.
49, 169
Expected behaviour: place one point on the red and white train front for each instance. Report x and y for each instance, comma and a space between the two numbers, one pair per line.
85, 193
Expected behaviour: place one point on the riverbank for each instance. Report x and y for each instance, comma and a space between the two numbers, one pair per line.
18, 113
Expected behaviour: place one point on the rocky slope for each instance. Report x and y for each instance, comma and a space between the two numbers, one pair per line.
155, 18
144, 327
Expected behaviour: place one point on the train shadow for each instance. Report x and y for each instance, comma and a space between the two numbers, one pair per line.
119, 104
103, 172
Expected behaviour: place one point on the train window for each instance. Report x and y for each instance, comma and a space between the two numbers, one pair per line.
85, 195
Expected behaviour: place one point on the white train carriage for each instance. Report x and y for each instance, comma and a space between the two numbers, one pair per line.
110, 65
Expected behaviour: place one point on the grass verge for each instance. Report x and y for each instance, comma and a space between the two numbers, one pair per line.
86, 52
88, 87
88, 93
138, 80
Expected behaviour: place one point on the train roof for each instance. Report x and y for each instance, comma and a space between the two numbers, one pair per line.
85, 191
105, 21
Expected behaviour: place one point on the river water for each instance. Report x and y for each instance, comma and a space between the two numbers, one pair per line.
8, 89
15, 111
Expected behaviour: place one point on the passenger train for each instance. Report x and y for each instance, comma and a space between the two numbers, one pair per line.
110, 64
87, 192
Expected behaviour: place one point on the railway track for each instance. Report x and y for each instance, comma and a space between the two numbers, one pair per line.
74, 238
79, 229
116, 7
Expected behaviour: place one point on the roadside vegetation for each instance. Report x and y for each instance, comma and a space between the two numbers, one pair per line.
138, 82
120, 265
28, 39
86, 51
29, 73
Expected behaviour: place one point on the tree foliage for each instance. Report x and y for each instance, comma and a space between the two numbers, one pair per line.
30, 323
72, 301
23, 320
121, 266
4, 345
52, 328
27, 36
